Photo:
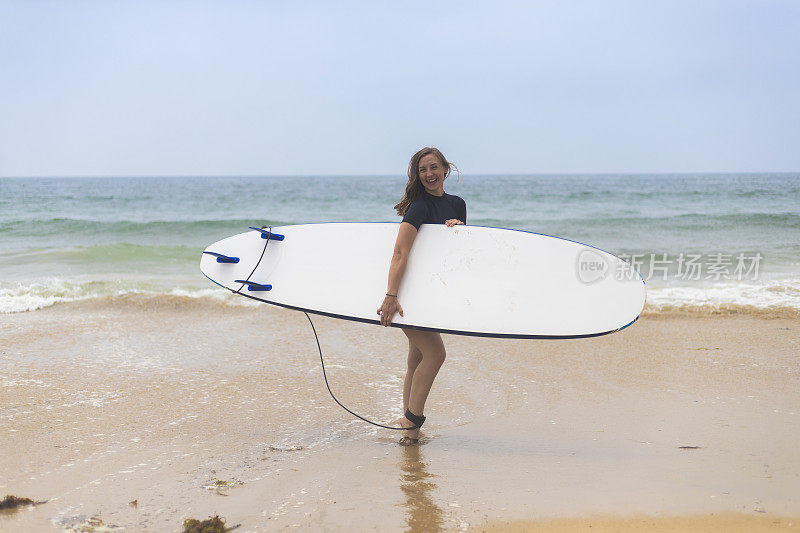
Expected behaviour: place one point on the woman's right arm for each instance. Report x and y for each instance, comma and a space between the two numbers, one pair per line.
402, 248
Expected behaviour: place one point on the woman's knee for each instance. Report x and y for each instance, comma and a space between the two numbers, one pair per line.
429, 345
414, 355
435, 355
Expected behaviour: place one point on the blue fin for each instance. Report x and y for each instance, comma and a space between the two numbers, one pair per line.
223, 258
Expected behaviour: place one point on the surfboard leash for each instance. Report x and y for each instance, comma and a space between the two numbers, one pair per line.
325, 375
319, 347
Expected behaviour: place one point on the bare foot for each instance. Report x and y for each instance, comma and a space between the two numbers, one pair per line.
405, 441
411, 435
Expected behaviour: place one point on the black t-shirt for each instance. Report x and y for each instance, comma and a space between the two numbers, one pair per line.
430, 209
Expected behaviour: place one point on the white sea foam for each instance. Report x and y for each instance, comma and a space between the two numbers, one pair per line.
36, 295
22, 297
773, 294
757, 295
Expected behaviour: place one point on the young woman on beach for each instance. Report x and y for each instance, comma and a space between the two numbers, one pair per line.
424, 202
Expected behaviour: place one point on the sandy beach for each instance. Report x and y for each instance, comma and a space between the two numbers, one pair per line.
191, 408
167, 168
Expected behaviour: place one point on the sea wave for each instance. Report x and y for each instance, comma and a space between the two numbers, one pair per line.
695, 220
727, 297
61, 226
46, 293
776, 298
41, 228
116, 253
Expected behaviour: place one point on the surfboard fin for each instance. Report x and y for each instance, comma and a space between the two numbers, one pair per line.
253, 286
268, 234
223, 258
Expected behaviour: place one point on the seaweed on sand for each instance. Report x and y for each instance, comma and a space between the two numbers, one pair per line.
215, 524
14, 502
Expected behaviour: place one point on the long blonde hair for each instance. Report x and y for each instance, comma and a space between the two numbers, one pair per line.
414, 187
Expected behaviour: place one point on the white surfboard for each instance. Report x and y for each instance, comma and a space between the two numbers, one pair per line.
466, 280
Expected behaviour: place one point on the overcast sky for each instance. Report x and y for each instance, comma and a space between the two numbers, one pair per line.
256, 87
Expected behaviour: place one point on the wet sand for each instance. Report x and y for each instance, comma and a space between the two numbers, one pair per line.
722, 523
193, 408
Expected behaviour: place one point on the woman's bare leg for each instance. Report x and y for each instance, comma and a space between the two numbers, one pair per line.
414, 358
430, 346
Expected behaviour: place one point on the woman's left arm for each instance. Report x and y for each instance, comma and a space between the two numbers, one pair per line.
402, 248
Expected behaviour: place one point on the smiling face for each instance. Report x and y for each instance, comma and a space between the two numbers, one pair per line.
431, 174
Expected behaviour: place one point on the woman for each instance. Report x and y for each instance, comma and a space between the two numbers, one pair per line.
425, 202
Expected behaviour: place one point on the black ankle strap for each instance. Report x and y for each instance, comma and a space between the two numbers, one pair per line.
418, 420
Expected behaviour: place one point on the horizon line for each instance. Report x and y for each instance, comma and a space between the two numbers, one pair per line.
381, 175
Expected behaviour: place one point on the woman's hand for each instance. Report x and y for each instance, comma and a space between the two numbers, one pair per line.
388, 308
452, 222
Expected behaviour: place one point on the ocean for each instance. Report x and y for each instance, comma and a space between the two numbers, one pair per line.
704, 242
